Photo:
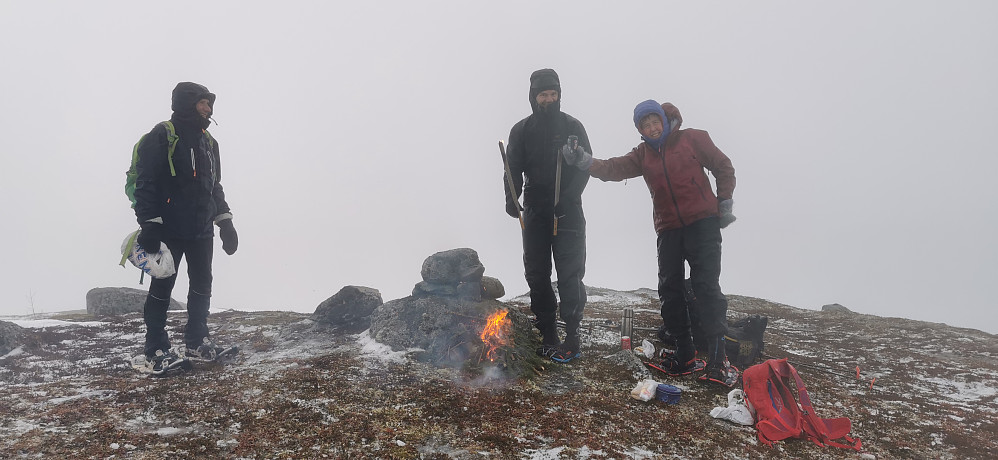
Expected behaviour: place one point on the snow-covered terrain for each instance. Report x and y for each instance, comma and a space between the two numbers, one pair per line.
297, 390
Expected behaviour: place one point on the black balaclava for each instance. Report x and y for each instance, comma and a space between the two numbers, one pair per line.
543, 80
185, 98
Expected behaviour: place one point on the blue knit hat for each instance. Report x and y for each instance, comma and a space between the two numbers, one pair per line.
647, 108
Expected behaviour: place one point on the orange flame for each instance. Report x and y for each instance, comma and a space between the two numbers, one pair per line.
496, 333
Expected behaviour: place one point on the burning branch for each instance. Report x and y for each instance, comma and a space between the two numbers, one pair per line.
495, 334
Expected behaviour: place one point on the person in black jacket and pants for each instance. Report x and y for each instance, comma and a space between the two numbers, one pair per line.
177, 202
534, 158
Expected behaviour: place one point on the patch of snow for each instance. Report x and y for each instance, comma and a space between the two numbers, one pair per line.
370, 348
962, 391
40, 323
243, 329
15, 352
170, 431
624, 299
86, 394
543, 454
20, 427
801, 353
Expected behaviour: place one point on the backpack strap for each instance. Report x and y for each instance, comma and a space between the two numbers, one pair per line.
171, 144
822, 431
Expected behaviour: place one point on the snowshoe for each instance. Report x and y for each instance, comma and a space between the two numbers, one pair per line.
209, 351
547, 351
673, 368
161, 364
571, 349
564, 355
725, 374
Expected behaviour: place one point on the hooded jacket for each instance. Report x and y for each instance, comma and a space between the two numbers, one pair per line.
189, 202
680, 190
534, 150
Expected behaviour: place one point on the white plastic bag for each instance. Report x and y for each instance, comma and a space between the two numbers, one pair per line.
159, 265
644, 390
738, 410
646, 349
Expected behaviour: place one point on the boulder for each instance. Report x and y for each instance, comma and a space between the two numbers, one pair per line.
492, 288
453, 267
10, 336
351, 306
114, 301
452, 273
835, 308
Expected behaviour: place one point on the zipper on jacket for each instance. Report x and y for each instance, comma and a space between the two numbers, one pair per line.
194, 165
672, 193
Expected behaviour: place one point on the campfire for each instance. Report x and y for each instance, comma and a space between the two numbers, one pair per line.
495, 334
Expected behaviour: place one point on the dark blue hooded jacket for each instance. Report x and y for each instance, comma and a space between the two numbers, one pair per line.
188, 202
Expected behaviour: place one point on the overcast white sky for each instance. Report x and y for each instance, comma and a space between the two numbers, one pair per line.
357, 139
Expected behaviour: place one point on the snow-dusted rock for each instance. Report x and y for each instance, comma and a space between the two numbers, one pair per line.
351, 306
114, 301
835, 308
10, 337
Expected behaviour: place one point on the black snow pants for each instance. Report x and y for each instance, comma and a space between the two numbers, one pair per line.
199, 256
698, 244
569, 251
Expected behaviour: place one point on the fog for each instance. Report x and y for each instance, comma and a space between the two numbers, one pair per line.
358, 139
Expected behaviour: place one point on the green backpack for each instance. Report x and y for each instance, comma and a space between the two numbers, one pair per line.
131, 175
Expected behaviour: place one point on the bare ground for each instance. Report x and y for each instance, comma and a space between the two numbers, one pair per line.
297, 390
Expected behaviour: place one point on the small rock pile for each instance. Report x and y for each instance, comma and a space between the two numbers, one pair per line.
444, 317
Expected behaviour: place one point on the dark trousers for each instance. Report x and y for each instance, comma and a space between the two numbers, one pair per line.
199, 255
698, 244
569, 251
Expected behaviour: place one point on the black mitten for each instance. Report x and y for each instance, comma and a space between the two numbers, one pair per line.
150, 236
230, 240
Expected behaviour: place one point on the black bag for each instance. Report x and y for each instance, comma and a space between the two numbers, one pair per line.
744, 341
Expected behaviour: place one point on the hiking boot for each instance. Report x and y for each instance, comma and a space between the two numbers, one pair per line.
682, 361
571, 349
550, 343
723, 373
207, 351
162, 361
677, 367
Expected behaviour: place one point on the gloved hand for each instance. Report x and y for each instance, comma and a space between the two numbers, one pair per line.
577, 157
512, 209
724, 207
227, 232
150, 236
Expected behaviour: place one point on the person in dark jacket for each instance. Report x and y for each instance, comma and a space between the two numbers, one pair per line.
688, 219
554, 224
177, 202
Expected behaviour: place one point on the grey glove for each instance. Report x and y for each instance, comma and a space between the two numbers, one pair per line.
575, 154
724, 208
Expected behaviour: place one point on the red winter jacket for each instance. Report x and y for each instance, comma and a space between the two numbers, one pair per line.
680, 191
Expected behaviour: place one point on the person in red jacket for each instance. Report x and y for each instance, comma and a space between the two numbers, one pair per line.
688, 220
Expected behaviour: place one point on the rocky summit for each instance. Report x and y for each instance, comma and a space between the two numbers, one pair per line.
304, 388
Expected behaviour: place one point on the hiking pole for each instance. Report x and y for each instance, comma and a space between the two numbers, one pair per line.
509, 182
572, 143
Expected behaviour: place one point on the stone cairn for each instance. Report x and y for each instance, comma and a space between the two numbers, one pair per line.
442, 321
